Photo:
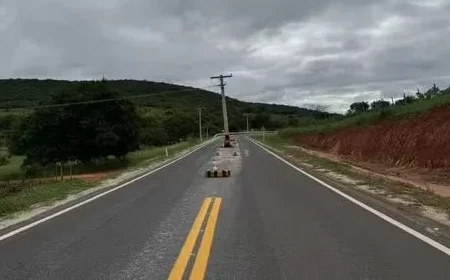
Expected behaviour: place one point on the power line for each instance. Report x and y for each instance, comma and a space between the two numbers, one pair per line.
109, 99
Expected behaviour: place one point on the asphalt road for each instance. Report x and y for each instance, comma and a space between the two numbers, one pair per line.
267, 221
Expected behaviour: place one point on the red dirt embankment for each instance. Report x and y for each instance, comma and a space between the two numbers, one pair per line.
421, 141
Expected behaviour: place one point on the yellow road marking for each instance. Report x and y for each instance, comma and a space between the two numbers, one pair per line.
185, 253
201, 261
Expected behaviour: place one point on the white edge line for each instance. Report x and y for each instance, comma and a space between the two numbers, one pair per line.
388, 219
65, 210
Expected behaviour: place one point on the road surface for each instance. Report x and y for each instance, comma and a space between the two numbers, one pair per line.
267, 221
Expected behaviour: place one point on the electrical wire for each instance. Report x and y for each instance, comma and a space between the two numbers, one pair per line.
111, 99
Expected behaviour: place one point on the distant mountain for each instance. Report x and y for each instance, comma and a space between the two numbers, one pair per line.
153, 98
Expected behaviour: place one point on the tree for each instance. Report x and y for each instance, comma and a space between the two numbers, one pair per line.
260, 120
446, 91
292, 121
83, 131
237, 122
419, 95
379, 104
317, 107
407, 99
152, 132
433, 91
179, 125
320, 110
277, 122
16, 132
359, 107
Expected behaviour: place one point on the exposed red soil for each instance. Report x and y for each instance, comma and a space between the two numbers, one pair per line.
91, 177
432, 180
421, 141
415, 150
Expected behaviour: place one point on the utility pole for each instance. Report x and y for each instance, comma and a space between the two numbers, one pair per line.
246, 115
224, 105
200, 123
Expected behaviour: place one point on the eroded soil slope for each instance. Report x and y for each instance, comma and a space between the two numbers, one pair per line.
416, 141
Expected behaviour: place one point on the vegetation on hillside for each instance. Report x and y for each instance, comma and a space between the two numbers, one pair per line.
156, 99
166, 112
83, 132
363, 113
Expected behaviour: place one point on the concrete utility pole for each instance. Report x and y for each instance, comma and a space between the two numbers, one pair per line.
246, 115
224, 105
200, 123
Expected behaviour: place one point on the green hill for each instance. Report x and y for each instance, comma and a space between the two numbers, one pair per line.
154, 99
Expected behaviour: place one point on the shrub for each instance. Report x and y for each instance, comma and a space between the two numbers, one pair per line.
4, 159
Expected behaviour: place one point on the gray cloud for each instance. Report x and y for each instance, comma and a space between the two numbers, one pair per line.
287, 51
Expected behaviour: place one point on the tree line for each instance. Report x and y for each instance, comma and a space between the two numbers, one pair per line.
363, 106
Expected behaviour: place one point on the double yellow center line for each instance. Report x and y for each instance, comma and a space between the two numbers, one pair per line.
201, 260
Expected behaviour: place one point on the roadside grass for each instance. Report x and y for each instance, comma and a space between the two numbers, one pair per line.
12, 170
22, 195
14, 111
308, 125
151, 154
45, 193
389, 189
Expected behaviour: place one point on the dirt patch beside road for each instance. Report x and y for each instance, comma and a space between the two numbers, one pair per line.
93, 177
414, 177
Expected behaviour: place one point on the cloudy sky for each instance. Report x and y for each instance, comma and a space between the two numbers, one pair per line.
287, 51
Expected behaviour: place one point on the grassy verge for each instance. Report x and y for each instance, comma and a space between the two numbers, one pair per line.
146, 156
385, 189
13, 111
45, 193
23, 195
12, 170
